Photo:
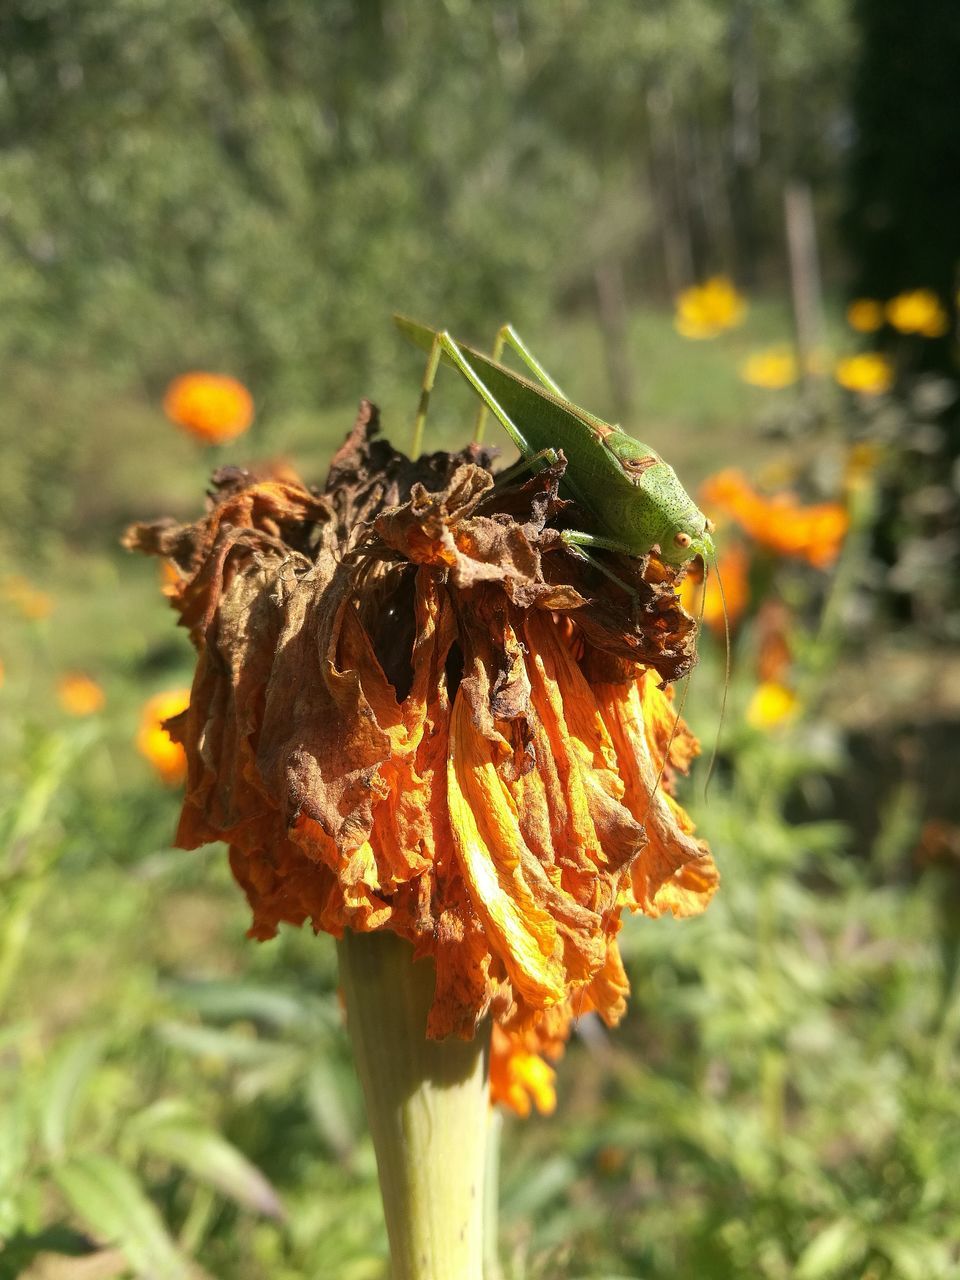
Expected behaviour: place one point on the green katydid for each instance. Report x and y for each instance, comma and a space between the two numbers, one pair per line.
635, 498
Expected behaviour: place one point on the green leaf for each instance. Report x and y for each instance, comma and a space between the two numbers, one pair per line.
112, 1203
226, 1046
840, 1244
62, 1088
207, 1155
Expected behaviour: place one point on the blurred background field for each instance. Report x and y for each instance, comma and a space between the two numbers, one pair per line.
253, 189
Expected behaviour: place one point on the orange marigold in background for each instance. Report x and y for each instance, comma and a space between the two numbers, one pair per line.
210, 406
154, 741
918, 311
865, 315
779, 523
79, 694
868, 374
414, 711
706, 310
733, 570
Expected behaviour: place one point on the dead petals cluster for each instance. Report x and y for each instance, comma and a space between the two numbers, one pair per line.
414, 710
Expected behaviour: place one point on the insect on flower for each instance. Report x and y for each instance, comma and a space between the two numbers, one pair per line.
635, 498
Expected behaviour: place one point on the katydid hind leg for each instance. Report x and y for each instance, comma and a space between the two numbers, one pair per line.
426, 386
508, 336
448, 347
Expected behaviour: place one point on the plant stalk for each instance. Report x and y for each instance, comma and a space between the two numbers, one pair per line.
427, 1107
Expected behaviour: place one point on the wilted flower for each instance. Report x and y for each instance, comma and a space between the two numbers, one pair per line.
773, 369
79, 694
869, 374
705, 310
210, 406
414, 711
779, 523
865, 315
918, 311
153, 738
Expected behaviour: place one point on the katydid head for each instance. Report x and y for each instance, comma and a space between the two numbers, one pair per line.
690, 537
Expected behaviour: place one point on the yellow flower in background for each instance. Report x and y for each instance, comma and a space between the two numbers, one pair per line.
79, 694
869, 374
153, 740
28, 601
774, 368
210, 406
865, 315
707, 309
918, 311
772, 705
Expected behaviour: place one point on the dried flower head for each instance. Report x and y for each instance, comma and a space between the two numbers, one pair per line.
414, 710
210, 406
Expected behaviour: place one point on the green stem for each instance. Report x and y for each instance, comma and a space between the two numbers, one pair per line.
491, 1199
427, 1107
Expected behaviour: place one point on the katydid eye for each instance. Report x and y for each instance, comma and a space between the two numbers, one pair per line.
682, 539
710, 526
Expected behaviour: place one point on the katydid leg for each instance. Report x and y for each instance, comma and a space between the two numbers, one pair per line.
577, 542
508, 336
444, 345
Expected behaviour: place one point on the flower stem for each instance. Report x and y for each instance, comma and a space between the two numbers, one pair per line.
427, 1107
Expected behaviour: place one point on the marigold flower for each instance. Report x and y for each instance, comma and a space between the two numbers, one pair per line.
772, 705
154, 740
865, 315
918, 311
414, 711
520, 1076
706, 310
210, 406
869, 374
773, 369
733, 570
780, 523
79, 694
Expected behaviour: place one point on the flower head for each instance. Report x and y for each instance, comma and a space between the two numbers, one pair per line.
706, 310
79, 694
210, 406
773, 369
918, 311
869, 374
780, 523
520, 1076
414, 711
773, 704
865, 315
154, 740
